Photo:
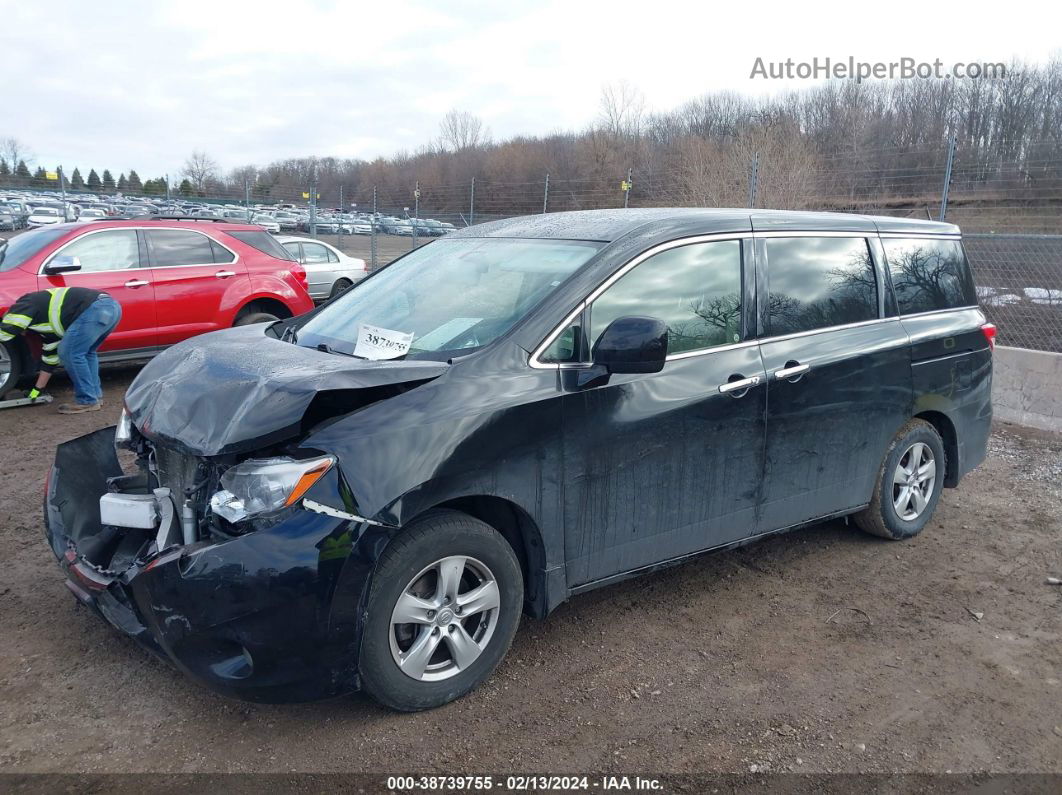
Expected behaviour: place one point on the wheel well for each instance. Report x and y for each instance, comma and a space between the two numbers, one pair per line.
946, 428
520, 530
270, 305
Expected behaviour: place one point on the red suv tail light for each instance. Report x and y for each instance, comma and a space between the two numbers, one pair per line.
989, 330
299, 273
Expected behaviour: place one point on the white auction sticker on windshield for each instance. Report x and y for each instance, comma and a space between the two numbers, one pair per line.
381, 343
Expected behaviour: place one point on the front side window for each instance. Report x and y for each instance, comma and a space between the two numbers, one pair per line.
694, 289
817, 282
173, 247
113, 250
453, 296
928, 275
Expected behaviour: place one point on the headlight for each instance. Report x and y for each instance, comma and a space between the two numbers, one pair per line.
260, 486
123, 434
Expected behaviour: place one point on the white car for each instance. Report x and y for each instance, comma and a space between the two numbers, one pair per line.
267, 222
328, 270
45, 216
91, 214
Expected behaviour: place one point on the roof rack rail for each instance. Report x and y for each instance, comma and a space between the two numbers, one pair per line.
189, 218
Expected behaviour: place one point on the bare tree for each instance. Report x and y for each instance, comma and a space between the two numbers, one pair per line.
200, 169
460, 131
622, 110
13, 150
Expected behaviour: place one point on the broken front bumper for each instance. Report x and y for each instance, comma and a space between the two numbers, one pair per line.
272, 615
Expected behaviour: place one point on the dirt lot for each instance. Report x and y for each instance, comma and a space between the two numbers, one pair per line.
824, 650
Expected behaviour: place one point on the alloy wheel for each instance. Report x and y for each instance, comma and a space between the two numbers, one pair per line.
913, 481
444, 618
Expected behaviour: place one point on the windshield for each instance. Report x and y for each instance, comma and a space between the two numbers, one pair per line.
446, 298
20, 248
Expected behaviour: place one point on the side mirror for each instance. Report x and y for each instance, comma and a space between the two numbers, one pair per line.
632, 345
62, 265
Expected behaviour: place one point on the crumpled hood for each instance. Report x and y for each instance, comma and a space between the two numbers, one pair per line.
239, 390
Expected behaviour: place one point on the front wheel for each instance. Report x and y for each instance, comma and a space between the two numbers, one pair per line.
909, 484
443, 609
10, 367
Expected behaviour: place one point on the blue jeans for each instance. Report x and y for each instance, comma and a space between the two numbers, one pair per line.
77, 348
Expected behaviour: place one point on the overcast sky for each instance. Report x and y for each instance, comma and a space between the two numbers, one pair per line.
121, 85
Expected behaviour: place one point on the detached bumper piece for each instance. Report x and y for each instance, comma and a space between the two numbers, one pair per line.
250, 616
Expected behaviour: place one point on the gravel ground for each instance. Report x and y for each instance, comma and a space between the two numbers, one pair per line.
823, 650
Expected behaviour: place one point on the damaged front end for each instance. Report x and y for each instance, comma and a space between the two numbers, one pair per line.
226, 565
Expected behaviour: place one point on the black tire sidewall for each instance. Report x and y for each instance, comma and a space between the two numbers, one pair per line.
448, 533
250, 318
900, 528
15, 357
340, 287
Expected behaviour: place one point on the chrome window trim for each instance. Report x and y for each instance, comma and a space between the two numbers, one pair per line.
534, 361
949, 310
825, 329
143, 266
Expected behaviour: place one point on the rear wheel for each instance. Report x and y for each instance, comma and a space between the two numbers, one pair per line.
10, 367
249, 318
443, 609
909, 484
340, 286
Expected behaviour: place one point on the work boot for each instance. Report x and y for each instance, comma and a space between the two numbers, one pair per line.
78, 408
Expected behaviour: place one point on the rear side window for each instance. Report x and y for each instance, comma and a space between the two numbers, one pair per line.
928, 275
695, 289
264, 242
172, 247
817, 282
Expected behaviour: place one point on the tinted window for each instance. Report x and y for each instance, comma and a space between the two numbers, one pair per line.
815, 282
221, 254
106, 251
929, 275
264, 242
565, 348
171, 247
695, 289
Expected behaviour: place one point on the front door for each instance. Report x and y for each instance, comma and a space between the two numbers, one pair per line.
838, 376
110, 262
663, 465
192, 273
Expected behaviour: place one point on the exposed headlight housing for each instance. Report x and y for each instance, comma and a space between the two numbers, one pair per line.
263, 485
123, 433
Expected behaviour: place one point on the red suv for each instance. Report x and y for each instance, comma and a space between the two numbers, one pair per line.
173, 278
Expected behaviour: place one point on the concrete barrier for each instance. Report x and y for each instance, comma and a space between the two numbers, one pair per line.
1027, 387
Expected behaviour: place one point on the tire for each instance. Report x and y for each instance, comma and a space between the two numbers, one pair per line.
410, 568
249, 318
10, 367
340, 286
894, 513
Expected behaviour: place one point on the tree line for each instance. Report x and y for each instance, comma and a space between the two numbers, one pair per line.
840, 145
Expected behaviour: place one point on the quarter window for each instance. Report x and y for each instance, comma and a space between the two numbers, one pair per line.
817, 282
171, 247
928, 275
105, 251
695, 289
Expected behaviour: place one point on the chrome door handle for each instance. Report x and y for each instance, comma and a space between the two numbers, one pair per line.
224, 274
740, 385
134, 283
790, 372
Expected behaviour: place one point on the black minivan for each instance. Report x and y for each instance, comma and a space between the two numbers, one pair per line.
370, 495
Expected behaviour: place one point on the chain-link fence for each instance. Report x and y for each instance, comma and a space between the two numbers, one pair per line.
1010, 208
1019, 284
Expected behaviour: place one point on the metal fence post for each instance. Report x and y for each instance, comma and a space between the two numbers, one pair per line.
167, 187
627, 188
372, 241
947, 177
545, 195
416, 211
313, 208
62, 191
754, 179
339, 226
247, 199
472, 203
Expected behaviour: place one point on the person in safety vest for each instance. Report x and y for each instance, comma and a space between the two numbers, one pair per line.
73, 322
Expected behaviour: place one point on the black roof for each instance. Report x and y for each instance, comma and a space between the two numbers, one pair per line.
610, 225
